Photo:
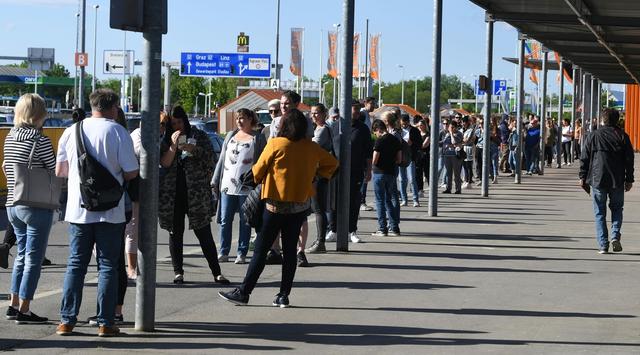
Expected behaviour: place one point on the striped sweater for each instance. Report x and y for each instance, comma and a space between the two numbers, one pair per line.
17, 147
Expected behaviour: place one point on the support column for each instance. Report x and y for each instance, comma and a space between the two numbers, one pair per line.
435, 108
586, 105
346, 86
560, 118
594, 103
520, 109
543, 110
574, 107
486, 163
149, 174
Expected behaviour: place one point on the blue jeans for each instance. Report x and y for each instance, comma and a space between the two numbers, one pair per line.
616, 203
531, 158
229, 205
363, 192
82, 237
494, 152
512, 160
32, 226
407, 175
383, 187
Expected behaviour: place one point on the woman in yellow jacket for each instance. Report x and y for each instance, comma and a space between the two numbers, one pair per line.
286, 169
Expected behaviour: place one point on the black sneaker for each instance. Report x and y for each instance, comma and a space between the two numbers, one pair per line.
236, 297
46, 262
317, 247
617, 247
32, 318
274, 258
4, 255
281, 301
302, 260
12, 313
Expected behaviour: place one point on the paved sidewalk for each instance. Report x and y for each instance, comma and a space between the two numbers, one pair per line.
517, 273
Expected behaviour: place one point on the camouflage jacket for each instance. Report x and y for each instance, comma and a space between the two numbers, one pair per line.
198, 170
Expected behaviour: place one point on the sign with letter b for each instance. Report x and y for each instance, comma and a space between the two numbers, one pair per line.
82, 59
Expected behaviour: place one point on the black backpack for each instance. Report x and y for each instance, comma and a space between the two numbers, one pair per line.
100, 191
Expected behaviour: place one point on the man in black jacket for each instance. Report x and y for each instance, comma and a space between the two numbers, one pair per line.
606, 168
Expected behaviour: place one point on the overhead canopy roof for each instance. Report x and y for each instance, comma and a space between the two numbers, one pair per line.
600, 36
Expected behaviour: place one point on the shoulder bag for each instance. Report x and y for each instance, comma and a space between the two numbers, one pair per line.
36, 187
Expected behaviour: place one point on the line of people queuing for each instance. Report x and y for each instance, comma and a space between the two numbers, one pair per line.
289, 166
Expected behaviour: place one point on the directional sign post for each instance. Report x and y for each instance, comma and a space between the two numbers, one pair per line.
499, 87
228, 65
117, 63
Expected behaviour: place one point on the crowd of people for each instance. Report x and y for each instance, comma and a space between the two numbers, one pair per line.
272, 179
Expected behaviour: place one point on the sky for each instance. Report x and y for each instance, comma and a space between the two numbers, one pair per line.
406, 28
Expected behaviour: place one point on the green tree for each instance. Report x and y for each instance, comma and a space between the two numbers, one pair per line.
57, 70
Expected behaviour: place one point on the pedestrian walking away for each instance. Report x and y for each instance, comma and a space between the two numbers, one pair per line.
606, 168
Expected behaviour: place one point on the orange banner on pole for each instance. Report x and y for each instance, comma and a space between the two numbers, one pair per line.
296, 51
535, 54
373, 57
332, 62
356, 55
565, 71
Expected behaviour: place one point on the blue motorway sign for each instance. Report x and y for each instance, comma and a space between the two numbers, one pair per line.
499, 87
231, 65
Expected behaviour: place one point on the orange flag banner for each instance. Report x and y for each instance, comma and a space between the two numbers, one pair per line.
535, 54
565, 71
332, 60
296, 51
356, 55
373, 57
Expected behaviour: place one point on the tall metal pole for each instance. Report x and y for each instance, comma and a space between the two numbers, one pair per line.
335, 80
487, 111
83, 22
594, 102
402, 95
520, 110
435, 108
75, 78
345, 138
574, 107
278, 48
586, 105
95, 48
149, 160
560, 118
366, 60
543, 110
123, 88
167, 89
415, 93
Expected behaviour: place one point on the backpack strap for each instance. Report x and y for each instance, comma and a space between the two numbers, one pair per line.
80, 149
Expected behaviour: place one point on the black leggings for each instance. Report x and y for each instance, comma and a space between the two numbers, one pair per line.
288, 226
176, 239
10, 236
467, 166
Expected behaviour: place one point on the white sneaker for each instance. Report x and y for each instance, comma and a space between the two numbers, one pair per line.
331, 237
365, 207
465, 185
354, 238
495, 180
416, 204
223, 258
240, 259
403, 203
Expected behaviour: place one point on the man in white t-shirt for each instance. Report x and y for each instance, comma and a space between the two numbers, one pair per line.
110, 144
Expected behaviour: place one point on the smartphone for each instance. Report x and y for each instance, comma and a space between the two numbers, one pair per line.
182, 140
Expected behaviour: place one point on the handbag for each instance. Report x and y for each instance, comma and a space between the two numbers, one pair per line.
461, 154
36, 187
253, 208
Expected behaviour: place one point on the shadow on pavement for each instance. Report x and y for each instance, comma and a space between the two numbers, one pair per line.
448, 268
367, 285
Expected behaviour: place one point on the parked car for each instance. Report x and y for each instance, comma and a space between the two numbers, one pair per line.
210, 127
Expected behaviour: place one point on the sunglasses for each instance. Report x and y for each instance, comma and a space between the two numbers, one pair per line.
274, 111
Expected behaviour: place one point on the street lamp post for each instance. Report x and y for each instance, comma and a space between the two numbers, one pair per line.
402, 94
139, 98
197, 97
75, 79
415, 93
95, 49
461, 83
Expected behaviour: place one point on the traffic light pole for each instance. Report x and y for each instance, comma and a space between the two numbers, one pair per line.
149, 160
